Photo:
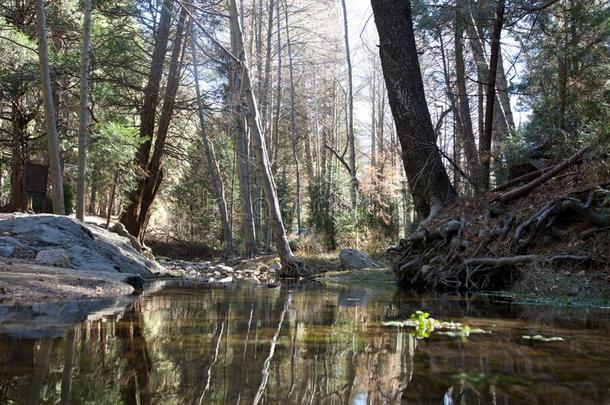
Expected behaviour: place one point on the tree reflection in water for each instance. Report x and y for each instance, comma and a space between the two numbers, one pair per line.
308, 345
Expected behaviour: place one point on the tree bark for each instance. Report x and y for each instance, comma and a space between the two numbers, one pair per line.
503, 113
293, 122
81, 186
242, 152
152, 181
461, 110
129, 218
213, 168
18, 199
485, 142
463, 103
350, 113
57, 181
291, 265
428, 180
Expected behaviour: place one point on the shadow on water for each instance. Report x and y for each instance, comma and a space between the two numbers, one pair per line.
301, 344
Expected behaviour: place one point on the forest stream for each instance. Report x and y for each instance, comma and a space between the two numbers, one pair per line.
314, 343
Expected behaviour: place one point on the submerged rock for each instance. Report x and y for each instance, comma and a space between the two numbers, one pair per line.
356, 259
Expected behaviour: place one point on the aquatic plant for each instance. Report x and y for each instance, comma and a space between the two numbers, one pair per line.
424, 325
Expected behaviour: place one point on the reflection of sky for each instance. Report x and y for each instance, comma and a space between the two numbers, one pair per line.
360, 399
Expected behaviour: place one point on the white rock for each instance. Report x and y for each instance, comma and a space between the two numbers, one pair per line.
222, 267
89, 247
53, 257
226, 280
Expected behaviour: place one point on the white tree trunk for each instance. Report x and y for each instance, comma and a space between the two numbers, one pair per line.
293, 123
291, 265
350, 114
57, 182
217, 184
81, 187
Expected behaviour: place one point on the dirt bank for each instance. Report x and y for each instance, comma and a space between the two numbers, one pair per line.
546, 233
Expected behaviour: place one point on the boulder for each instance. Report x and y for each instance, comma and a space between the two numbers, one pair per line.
53, 257
88, 247
355, 259
11, 247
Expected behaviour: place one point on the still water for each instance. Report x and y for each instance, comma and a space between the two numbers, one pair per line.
309, 344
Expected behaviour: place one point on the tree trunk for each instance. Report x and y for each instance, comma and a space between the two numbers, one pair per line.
291, 265
381, 127
213, 168
373, 118
18, 200
463, 102
461, 109
428, 180
267, 76
94, 188
111, 199
350, 113
57, 181
485, 142
293, 122
129, 218
152, 181
242, 152
81, 186
503, 114
272, 148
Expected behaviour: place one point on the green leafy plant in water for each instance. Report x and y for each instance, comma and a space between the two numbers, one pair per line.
424, 324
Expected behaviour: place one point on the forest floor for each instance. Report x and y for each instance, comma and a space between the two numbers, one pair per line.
547, 235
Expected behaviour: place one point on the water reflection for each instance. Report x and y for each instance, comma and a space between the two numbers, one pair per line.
309, 345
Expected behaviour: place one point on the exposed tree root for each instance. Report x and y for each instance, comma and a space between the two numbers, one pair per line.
293, 267
478, 252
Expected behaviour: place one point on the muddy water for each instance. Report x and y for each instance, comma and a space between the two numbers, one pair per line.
308, 345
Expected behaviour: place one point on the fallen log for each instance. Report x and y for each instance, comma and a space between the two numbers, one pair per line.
495, 262
500, 261
525, 177
526, 188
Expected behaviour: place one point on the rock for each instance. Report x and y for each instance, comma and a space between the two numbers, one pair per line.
276, 267
88, 246
120, 230
6, 249
53, 257
355, 259
222, 267
226, 280
11, 247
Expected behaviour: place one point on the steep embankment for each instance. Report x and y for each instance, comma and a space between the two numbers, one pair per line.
547, 231
48, 256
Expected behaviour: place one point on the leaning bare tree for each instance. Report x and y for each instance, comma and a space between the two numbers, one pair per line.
217, 184
291, 265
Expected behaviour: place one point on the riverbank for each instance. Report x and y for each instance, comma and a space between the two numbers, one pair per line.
546, 233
